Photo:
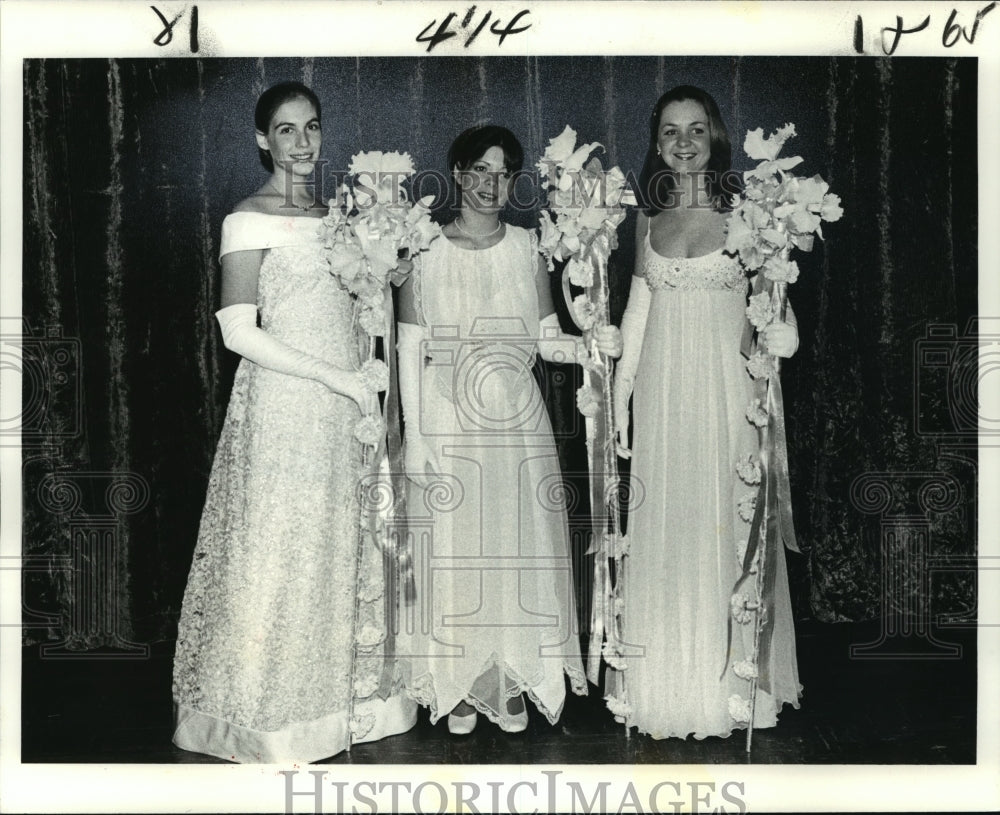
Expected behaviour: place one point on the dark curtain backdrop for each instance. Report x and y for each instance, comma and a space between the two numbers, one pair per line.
131, 165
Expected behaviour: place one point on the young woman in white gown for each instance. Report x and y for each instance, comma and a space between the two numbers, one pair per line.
496, 615
682, 330
267, 667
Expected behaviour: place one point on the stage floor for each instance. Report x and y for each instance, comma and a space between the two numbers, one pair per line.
898, 710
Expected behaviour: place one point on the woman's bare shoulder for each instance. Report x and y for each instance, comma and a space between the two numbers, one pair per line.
260, 201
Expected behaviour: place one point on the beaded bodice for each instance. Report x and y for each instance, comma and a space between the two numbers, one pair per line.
715, 270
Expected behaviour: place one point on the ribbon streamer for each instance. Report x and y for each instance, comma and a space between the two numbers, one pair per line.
397, 560
608, 586
772, 526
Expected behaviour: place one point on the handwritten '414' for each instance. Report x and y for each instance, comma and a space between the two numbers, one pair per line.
470, 28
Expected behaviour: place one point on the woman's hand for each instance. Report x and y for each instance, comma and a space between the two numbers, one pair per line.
781, 339
355, 387
608, 340
418, 457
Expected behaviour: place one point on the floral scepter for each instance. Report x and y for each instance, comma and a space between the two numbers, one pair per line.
586, 204
370, 224
776, 213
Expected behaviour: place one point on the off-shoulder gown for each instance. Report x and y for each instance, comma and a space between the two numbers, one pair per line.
265, 666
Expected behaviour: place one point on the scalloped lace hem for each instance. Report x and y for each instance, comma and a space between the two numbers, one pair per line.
422, 691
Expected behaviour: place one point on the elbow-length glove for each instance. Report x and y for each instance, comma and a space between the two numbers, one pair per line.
418, 454
633, 329
241, 334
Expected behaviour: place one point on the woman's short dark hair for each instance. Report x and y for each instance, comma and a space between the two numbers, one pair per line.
471, 144
268, 104
657, 181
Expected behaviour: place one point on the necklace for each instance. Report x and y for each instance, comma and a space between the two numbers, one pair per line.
475, 235
303, 207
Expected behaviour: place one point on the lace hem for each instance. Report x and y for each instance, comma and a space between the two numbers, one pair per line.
422, 691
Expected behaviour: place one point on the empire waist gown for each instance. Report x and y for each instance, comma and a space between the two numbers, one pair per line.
687, 536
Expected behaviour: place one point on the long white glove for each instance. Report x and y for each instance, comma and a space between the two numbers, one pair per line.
418, 454
241, 334
633, 329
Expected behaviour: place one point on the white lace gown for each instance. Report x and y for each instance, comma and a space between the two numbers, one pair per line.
495, 613
264, 667
686, 536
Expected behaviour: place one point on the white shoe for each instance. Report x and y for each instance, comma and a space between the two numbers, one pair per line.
518, 722
462, 725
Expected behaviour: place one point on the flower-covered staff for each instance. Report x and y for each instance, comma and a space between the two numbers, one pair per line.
586, 204
370, 224
776, 212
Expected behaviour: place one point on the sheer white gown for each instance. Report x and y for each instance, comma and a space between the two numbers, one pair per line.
687, 537
495, 613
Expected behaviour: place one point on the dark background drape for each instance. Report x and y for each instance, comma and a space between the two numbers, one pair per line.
131, 165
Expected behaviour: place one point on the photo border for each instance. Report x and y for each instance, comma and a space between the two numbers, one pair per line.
82, 28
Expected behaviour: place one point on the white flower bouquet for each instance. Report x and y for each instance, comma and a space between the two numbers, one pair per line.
371, 220
777, 211
370, 225
585, 204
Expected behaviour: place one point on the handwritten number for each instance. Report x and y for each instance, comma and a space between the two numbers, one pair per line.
194, 30
434, 34
898, 31
479, 28
438, 36
166, 36
952, 33
953, 30
504, 33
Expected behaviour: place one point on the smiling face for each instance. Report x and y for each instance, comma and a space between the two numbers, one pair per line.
293, 137
485, 184
683, 137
